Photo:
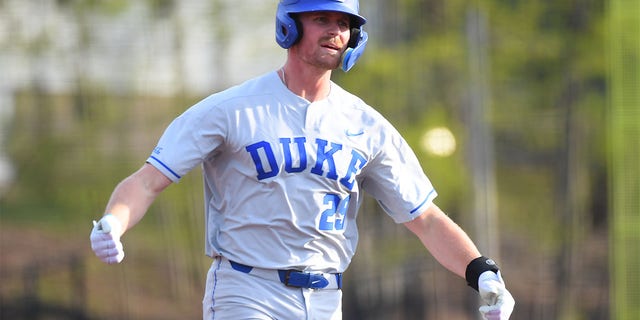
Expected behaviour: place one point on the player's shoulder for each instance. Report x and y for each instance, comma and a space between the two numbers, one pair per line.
260, 85
236, 95
355, 106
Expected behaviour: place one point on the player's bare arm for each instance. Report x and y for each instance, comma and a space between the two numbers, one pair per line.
444, 239
128, 203
451, 246
132, 197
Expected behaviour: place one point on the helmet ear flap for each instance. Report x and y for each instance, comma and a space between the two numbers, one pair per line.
353, 53
288, 30
354, 38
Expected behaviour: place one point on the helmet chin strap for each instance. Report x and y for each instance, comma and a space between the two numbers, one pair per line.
351, 55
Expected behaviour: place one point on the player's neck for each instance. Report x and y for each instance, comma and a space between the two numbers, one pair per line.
310, 84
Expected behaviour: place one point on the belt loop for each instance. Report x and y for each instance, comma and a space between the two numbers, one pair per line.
339, 280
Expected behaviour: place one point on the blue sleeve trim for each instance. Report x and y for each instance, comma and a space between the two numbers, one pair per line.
165, 166
423, 202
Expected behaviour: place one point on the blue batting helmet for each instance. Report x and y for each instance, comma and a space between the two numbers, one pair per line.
288, 31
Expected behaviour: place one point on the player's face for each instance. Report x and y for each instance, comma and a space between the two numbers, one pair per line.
324, 38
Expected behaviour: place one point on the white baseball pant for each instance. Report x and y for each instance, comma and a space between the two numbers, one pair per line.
259, 294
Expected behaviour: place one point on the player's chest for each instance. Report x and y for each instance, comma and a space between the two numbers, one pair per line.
292, 142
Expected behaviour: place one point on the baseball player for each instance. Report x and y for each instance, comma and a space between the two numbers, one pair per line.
286, 158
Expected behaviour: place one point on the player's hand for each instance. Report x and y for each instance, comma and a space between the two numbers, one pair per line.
105, 239
498, 301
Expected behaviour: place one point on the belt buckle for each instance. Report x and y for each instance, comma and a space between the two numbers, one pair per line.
287, 276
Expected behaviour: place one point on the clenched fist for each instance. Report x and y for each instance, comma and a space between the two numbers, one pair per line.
105, 239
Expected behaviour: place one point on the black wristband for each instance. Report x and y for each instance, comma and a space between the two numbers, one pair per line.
476, 267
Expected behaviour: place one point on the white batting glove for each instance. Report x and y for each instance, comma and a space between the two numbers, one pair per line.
105, 239
498, 301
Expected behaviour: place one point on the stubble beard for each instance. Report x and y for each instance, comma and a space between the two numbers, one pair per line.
322, 58
330, 61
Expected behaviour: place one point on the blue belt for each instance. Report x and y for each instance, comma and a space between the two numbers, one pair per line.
295, 278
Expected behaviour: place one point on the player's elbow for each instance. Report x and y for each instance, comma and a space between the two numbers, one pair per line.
421, 224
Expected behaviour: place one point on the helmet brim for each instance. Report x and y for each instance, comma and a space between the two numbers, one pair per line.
329, 6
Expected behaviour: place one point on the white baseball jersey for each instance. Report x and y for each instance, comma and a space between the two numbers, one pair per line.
283, 177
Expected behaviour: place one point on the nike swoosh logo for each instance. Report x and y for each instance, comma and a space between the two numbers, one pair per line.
353, 133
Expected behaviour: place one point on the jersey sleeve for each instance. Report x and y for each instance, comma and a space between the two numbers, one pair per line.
189, 139
396, 179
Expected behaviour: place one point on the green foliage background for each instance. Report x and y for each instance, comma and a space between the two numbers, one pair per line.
547, 88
